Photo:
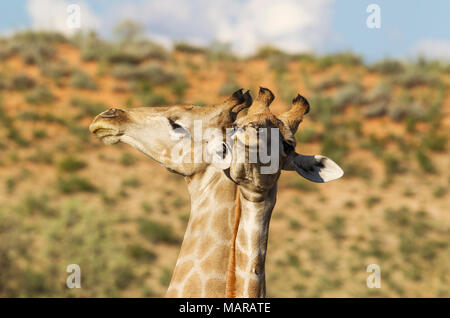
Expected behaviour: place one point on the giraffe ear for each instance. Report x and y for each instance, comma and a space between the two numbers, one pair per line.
220, 154
314, 168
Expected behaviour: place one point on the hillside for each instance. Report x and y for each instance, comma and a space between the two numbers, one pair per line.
66, 198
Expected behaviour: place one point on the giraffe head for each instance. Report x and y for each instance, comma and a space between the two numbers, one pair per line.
263, 145
178, 137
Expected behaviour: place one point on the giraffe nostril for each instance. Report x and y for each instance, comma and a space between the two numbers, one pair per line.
112, 112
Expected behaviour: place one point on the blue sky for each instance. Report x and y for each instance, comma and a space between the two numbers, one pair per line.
407, 28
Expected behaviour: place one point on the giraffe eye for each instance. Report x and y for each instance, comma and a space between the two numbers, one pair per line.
174, 125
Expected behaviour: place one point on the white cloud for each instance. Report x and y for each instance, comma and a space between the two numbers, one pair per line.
53, 15
289, 24
433, 49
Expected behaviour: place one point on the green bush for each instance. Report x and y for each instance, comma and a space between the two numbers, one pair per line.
331, 81
380, 93
136, 52
36, 205
375, 110
81, 80
88, 108
405, 107
348, 94
132, 182
388, 67
55, 70
343, 58
392, 164
39, 133
71, 164
302, 185
425, 162
152, 73
228, 88
34, 116
42, 156
40, 95
398, 217
336, 225
157, 232
127, 159
75, 184
140, 253
334, 148
434, 141
322, 109
188, 48
22, 82
308, 135
412, 78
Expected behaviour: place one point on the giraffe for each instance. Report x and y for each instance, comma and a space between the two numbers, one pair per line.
258, 189
202, 266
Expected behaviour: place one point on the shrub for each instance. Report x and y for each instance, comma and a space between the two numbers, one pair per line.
127, 159
188, 48
388, 67
228, 88
88, 108
36, 205
308, 135
55, 70
434, 141
439, 192
75, 184
81, 80
147, 207
15, 135
152, 99
279, 63
322, 110
392, 164
220, 51
343, 58
333, 80
372, 201
140, 253
398, 217
22, 82
136, 52
348, 94
42, 156
132, 182
179, 87
153, 73
336, 226
40, 95
334, 148
375, 110
380, 93
413, 78
425, 162
357, 170
34, 116
301, 184
156, 232
405, 107
71, 164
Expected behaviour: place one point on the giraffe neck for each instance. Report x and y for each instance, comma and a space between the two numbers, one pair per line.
201, 267
251, 243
